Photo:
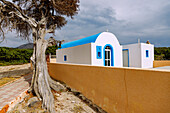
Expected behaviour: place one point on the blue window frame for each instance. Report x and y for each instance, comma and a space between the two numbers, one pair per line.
99, 52
147, 53
65, 57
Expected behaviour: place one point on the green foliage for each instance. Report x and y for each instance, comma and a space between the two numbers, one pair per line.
13, 56
162, 53
10, 56
51, 50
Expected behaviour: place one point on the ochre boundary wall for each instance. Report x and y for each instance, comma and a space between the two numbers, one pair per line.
118, 90
160, 63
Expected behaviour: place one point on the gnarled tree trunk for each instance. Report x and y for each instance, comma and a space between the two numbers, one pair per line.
41, 82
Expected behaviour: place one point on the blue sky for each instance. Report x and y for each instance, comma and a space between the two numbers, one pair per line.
127, 19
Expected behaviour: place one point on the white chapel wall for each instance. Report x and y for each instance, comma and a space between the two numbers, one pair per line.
134, 54
103, 39
147, 62
137, 55
77, 55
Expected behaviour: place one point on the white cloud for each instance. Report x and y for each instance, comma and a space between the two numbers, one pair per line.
127, 19
12, 40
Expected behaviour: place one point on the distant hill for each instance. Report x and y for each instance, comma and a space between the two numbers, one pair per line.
49, 50
26, 46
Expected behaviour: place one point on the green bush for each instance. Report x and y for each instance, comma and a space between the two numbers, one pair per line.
162, 53
14, 56
10, 56
51, 50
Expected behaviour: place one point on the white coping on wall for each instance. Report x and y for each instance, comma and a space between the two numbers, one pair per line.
148, 69
163, 68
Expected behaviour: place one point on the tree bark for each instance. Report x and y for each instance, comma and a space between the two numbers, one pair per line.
41, 85
41, 81
33, 59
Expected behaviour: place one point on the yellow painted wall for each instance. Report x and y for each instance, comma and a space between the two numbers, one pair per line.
118, 90
160, 63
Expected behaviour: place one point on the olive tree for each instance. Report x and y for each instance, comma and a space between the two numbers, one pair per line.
37, 18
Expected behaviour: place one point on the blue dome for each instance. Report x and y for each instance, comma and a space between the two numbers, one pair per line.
90, 39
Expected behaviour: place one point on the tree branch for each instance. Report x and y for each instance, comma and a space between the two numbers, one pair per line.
30, 20
51, 28
50, 31
51, 41
3, 34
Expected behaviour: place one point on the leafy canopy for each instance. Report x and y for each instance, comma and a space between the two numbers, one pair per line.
23, 15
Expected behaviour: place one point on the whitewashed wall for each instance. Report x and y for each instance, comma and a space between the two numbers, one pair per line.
137, 55
86, 54
134, 54
77, 55
147, 62
103, 39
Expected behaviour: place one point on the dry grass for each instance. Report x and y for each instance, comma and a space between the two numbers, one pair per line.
6, 80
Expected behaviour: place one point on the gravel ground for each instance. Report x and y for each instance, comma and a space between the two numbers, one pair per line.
65, 102
68, 103
14, 67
